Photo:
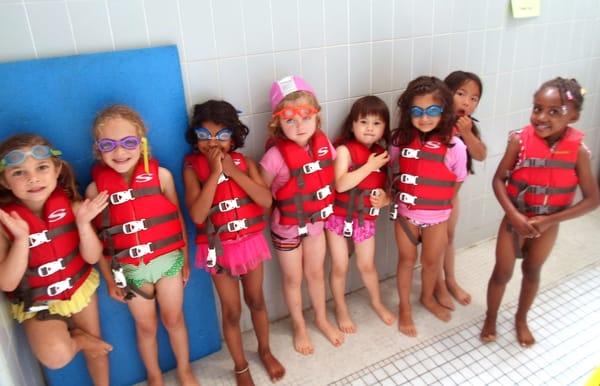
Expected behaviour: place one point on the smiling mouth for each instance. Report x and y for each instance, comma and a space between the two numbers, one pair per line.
36, 190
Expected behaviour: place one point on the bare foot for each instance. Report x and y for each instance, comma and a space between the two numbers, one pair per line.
302, 342
461, 296
524, 335
384, 314
436, 309
243, 376
444, 299
344, 322
406, 324
273, 367
186, 377
488, 332
94, 346
156, 380
335, 336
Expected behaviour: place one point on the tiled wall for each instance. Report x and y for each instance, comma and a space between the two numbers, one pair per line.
234, 49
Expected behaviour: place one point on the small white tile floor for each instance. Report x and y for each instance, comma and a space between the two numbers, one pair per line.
564, 320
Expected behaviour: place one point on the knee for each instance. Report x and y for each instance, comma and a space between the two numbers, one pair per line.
255, 303
57, 355
231, 316
339, 270
406, 260
172, 319
366, 267
292, 281
501, 277
531, 273
314, 274
146, 327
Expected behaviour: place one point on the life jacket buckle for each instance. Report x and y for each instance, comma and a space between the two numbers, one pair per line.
36, 239
140, 250
120, 197
410, 153
323, 192
119, 277
373, 211
211, 258
237, 225
408, 179
134, 226
303, 230
374, 193
50, 268
59, 287
408, 198
311, 167
327, 211
227, 205
394, 212
38, 307
348, 229
222, 178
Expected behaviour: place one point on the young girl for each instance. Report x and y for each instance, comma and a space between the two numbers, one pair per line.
226, 197
535, 183
360, 180
299, 170
431, 164
143, 235
466, 88
47, 246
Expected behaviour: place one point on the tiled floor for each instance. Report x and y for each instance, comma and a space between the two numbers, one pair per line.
564, 320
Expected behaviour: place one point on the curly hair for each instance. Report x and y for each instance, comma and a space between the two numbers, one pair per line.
219, 112
568, 89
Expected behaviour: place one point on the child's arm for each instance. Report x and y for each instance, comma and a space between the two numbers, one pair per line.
13, 257
518, 220
168, 187
589, 190
346, 180
199, 197
475, 146
252, 182
85, 211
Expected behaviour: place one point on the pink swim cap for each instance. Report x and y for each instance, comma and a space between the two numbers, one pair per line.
285, 86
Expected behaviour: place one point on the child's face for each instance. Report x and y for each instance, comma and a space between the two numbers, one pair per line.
212, 135
548, 116
466, 98
31, 181
368, 129
425, 123
297, 128
120, 159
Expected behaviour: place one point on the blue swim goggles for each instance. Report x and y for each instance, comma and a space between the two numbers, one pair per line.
17, 157
203, 134
431, 111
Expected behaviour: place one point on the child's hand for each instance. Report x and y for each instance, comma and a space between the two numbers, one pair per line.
228, 165
380, 199
115, 292
90, 208
540, 223
521, 225
215, 158
15, 224
185, 273
464, 124
376, 161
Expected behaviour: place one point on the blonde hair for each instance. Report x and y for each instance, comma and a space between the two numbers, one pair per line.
274, 127
114, 112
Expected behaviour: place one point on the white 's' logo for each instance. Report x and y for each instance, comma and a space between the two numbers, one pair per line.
144, 177
433, 144
237, 162
57, 215
322, 151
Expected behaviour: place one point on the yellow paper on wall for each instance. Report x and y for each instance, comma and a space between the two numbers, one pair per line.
525, 8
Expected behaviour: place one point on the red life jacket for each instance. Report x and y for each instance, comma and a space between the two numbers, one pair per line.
308, 195
423, 180
544, 179
140, 223
231, 204
55, 269
355, 203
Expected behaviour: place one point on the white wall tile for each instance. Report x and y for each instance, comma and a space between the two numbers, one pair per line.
460, 15
485, 109
14, 24
524, 84
258, 26
458, 51
496, 12
199, 37
422, 18
360, 20
337, 73
491, 54
440, 60
128, 23
336, 22
234, 82
285, 25
204, 81
163, 22
421, 57
336, 114
478, 14
312, 31
287, 63
442, 20
403, 22
383, 19
261, 72
381, 74
507, 49
91, 26
475, 51
314, 70
360, 70
229, 36
402, 63
503, 94
51, 29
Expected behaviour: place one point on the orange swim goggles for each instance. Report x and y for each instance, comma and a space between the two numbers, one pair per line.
303, 111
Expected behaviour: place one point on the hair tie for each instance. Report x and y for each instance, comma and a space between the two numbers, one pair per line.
582, 91
569, 95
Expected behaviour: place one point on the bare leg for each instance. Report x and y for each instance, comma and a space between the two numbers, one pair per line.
313, 257
338, 249
253, 295
434, 243
461, 296
505, 264
407, 255
365, 260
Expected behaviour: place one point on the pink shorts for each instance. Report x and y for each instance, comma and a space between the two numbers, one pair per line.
239, 257
335, 224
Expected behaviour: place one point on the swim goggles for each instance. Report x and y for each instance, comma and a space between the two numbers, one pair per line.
17, 156
305, 111
105, 145
431, 111
203, 134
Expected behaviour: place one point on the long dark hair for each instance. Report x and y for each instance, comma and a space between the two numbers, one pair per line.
221, 113
423, 85
368, 105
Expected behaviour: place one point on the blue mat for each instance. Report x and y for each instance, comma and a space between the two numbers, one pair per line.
59, 98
